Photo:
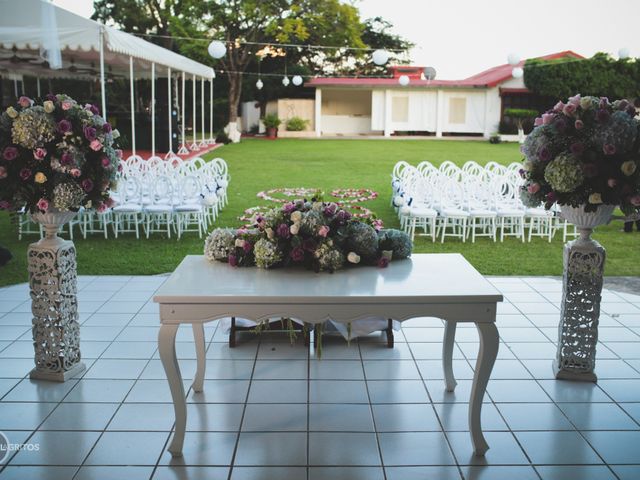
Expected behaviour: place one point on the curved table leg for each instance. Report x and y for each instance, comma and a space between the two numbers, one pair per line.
167, 350
489, 342
201, 354
447, 355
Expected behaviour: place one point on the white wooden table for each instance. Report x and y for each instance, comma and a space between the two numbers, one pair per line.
427, 285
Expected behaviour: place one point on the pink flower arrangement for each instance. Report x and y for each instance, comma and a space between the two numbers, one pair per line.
43, 205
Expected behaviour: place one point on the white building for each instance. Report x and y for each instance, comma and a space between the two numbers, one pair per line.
381, 106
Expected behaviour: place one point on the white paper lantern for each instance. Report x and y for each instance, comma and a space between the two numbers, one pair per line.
513, 59
380, 57
217, 49
285, 81
259, 84
297, 80
517, 72
623, 53
404, 80
430, 73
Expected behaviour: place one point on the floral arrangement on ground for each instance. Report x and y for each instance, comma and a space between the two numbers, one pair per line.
318, 235
584, 152
58, 155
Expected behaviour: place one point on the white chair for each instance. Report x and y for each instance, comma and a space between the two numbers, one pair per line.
189, 211
509, 211
418, 211
451, 210
158, 216
482, 217
127, 213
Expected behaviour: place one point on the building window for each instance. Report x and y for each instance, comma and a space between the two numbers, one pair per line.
400, 109
457, 110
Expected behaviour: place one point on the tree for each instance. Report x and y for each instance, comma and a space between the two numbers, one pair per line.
520, 115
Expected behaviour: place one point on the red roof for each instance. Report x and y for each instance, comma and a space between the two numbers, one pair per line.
487, 78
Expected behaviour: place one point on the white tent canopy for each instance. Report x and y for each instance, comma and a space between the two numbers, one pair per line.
26, 26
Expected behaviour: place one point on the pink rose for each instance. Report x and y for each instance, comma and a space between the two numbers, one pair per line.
579, 124
635, 200
75, 172
66, 105
324, 231
612, 182
39, 153
569, 109
537, 122
533, 188
95, 145
43, 205
575, 100
10, 153
547, 118
106, 162
558, 107
25, 102
101, 207
87, 185
25, 174
3, 172
609, 149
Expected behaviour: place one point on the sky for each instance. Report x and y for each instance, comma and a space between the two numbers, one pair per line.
462, 37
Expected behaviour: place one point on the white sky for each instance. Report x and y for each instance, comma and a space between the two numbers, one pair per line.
462, 37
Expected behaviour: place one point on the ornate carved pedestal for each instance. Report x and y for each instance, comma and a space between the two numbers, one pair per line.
53, 284
581, 294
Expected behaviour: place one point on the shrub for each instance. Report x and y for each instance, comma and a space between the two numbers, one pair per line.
297, 124
271, 121
222, 137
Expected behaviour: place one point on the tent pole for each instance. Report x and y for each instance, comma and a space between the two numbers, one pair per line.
133, 108
170, 153
38, 85
203, 143
194, 143
153, 109
211, 139
103, 92
183, 148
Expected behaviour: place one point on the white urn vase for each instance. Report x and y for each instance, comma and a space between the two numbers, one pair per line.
53, 289
582, 280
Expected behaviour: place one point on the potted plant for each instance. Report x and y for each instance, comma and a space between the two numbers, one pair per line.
520, 115
271, 123
296, 124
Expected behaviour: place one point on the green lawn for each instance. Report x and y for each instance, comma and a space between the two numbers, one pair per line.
257, 164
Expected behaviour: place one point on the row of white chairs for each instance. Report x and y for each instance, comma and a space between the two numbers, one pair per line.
156, 195
468, 202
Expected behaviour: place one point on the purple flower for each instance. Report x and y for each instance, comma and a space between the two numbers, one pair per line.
106, 128
560, 125
87, 185
106, 163
544, 154
577, 148
89, 133
551, 197
288, 207
309, 245
590, 170
66, 159
604, 102
330, 210
297, 254
609, 149
247, 246
579, 124
233, 260
283, 231
522, 173
25, 174
383, 262
10, 153
51, 97
64, 126
602, 116
92, 108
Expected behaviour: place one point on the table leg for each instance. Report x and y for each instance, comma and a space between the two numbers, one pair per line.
232, 333
389, 332
201, 354
489, 342
167, 349
447, 355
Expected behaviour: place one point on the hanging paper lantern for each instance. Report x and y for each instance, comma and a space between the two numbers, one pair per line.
217, 49
517, 72
404, 80
297, 80
513, 59
623, 53
259, 84
285, 81
429, 73
380, 57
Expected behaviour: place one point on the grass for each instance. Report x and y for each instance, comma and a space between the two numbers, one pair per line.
257, 165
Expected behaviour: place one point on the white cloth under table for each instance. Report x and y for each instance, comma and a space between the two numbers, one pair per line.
426, 285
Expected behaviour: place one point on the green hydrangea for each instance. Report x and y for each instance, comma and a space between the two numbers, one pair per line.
564, 174
329, 257
266, 253
397, 241
362, 239
33, 128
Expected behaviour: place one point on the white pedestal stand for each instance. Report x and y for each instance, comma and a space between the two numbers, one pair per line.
53, 284
581, 294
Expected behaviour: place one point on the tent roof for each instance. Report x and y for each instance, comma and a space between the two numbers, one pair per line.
23, 34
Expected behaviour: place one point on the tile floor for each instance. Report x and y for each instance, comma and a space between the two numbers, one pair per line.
273, 411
